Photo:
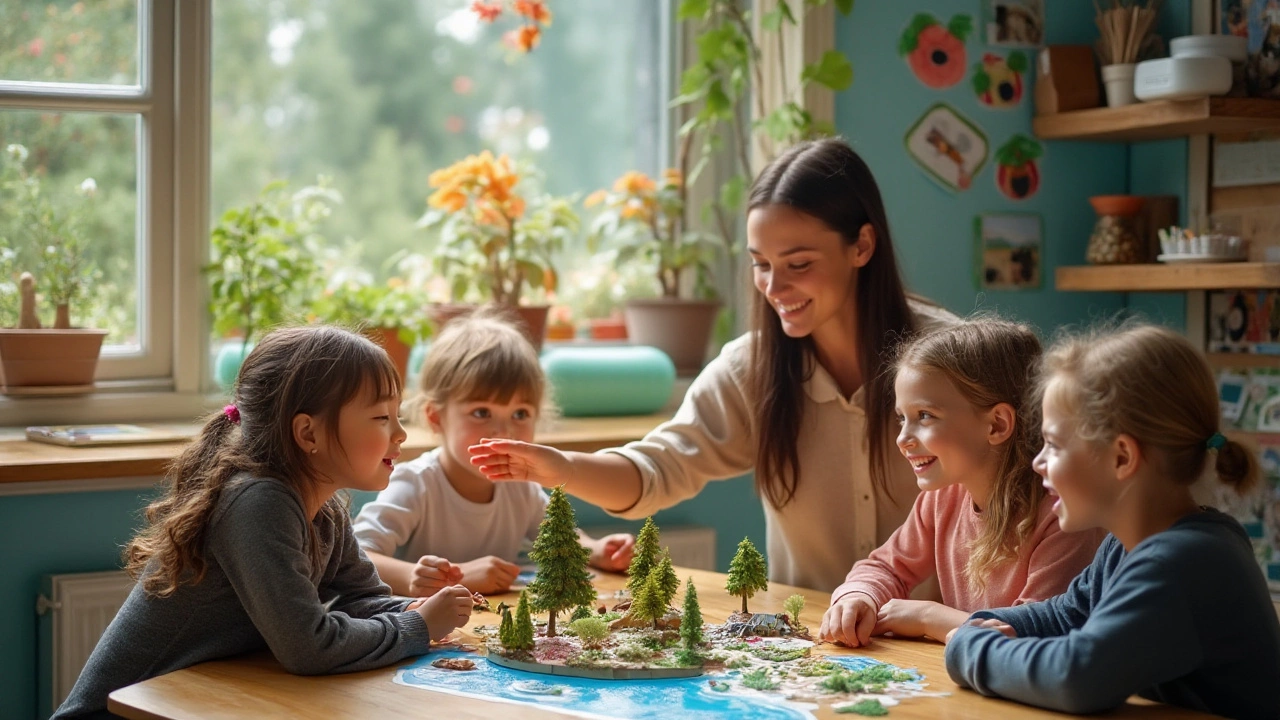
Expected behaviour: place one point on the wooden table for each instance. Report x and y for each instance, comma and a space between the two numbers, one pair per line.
257, 687
25, 461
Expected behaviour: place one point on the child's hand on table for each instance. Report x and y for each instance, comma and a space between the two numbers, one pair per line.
850, 620
514, 460
431, 574
444, 612
489, 575
613, 552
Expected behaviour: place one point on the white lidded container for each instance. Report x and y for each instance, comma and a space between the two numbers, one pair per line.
1182, 78
1231, 47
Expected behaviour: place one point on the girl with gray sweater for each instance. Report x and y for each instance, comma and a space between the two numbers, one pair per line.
249, 547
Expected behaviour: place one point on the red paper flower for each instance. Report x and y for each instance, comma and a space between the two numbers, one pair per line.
935, 53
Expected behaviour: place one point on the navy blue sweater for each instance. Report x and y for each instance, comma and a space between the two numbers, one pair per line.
1184, 619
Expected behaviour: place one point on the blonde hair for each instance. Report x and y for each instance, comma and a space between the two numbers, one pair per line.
991, 361
1152, 384
481, 356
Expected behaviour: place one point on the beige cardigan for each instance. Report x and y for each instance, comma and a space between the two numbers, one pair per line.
837, 516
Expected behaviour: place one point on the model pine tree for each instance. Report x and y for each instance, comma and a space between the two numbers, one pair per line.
506, 630
648, 603
563, 580
522, 633
668, 583
644, 556
691, 620
748, 572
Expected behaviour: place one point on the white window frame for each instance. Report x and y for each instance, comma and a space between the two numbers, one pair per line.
172, 99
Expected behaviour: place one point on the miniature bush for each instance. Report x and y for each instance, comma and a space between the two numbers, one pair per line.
868, 708
582, 612
758, 680
740, 661
633, 651
816, 667
587, 658
591, 630
793, 606
689, 658
737, 646
776, 654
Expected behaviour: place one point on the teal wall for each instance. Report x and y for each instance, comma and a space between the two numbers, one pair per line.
933, 228
84, 532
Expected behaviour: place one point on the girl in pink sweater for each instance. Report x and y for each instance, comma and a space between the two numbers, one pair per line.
982, 523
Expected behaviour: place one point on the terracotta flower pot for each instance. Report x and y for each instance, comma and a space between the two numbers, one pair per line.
389, 339
532, 317
609, 329
680, 328
48, 357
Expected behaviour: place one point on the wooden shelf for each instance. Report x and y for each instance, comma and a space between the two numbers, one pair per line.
1162, 119
1241, 361
1157, 277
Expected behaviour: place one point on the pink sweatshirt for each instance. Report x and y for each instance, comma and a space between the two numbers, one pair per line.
936, 538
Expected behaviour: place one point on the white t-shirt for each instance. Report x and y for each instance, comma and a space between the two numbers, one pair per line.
419, 513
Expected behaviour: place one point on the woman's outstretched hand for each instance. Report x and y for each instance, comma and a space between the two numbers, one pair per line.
499, 460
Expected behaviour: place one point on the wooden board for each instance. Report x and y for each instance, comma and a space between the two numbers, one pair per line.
1168, 277
1162, 119
24, 461
257, 687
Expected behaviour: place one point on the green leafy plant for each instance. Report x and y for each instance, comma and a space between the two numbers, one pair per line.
759, 679
389, 305
44, 237
489, 239
726, 74
793, 606
264, 258
590, 630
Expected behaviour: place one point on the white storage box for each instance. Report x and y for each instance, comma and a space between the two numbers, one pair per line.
1182, 78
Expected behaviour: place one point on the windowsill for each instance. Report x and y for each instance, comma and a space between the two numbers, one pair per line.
22, 461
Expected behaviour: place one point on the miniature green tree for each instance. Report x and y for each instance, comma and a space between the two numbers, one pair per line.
748, 572
563, 580
649, 604
691, 622
506, 631
668, 583
793, 606
644, 556
582, 612
522, 634
591, 631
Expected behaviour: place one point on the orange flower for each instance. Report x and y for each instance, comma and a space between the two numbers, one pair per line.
450, 200
672, 177
487, 12
641, 210
535, 10
525, 39
634, 183
595, 198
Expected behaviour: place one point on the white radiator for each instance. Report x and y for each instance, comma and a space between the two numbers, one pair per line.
82, 606
692, 546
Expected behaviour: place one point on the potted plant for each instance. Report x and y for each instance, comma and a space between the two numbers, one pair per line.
491, 241
644, 221
391, 313
263, 268
35, 357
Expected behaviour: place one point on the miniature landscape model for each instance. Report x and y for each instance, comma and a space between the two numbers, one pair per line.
755, 663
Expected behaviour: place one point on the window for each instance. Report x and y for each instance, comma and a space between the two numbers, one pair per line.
81, 109
376, 95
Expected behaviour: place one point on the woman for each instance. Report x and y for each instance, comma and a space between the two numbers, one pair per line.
803, 398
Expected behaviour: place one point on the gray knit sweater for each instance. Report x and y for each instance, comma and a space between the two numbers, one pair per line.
260, 591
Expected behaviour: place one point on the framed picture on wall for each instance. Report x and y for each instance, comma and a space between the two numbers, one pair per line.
1014, 23
1008, 251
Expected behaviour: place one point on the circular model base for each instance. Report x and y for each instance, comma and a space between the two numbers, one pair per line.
602, 673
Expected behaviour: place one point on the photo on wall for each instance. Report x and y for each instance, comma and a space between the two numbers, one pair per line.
1008, 251
1258, 21
1016, 23
949, 147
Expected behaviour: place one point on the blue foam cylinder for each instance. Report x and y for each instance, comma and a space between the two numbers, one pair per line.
613, 380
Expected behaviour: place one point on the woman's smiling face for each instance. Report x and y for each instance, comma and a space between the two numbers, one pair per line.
805, 270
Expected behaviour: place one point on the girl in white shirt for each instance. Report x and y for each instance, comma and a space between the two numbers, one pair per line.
439, 521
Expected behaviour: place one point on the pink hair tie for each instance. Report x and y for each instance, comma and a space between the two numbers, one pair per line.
233, 413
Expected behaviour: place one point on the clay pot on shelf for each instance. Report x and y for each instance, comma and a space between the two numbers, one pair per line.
1115, 239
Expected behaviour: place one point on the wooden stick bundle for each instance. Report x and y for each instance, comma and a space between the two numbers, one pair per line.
1125, 26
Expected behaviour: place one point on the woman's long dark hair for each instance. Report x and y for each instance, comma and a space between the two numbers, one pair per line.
826, 180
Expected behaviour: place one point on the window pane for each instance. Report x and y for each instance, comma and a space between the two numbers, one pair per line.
91, 41
82, 169
376, 95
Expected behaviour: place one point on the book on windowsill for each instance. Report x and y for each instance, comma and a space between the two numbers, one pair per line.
95, 435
